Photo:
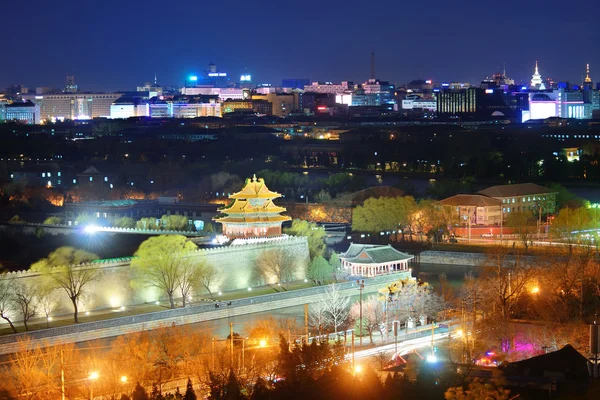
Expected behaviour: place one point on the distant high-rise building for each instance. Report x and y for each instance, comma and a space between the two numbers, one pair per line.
295, 83
536, 79
558, 103
70, 87
73, 106
329, 87
588, 79
283, 103
223, 93
25, 112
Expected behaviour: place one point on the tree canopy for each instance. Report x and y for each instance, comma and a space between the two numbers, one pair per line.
63, 269
314, 234
163, 262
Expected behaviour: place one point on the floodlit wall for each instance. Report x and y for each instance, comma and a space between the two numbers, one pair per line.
113, 289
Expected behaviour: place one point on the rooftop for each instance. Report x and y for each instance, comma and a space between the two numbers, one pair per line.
519, 189
373, 254
470, 200
255, 188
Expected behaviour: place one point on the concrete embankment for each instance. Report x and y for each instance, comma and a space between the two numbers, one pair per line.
188, 315
459, 258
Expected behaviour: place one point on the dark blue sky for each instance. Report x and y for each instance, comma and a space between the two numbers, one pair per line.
118, 44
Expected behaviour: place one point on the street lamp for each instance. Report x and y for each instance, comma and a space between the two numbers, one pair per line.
123, 379
92, 377
361, 287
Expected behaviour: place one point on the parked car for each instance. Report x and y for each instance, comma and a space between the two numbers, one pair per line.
452, 240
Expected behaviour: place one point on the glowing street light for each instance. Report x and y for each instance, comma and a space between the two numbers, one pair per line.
91, 229
357, 369
262, 343
535, 290
431, 358
123, 379
93, 375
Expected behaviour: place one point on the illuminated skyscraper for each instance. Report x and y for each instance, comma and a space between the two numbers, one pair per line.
536, 79
588, 79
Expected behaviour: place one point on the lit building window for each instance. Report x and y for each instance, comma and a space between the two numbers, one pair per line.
43, 174
91, 178
106, 179
97, 215
74, 181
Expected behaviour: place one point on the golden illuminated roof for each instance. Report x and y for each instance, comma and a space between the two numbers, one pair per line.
252, 219
245, 207
255, 188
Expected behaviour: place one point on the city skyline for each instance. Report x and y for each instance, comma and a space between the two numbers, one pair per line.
117, 48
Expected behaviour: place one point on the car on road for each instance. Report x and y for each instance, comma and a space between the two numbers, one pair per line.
488, 235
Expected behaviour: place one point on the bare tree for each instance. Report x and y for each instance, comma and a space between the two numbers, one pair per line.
7, 297
209, 277
276, 266
336, 306
188, 277
46, 298
318, 316
410, 298
504, 280
373, 316
24, 297
63, 268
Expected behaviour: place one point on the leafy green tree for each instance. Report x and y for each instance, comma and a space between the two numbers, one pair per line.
85, 219
314, 234
63, 269
319, 270
565, 198
147, 223
174, 222
524, 225
189, 391
336, 264
52, 221
159, 262
383, 214
124, 222
571, 220
322, 196
15, 220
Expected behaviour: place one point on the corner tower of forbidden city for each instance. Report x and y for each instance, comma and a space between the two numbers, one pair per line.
252, 213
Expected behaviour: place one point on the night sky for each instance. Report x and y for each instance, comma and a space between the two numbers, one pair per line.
119, 44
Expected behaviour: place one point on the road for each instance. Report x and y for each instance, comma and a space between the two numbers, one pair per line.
404, 347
